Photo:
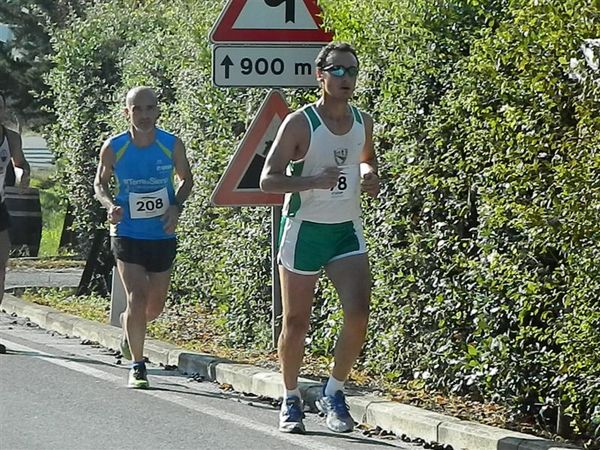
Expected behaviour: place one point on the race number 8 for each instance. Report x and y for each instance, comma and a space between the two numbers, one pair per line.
342, 184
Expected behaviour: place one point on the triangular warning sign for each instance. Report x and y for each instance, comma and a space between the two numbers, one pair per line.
239, 185
269, 21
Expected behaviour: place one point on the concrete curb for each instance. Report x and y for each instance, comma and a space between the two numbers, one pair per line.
375, 411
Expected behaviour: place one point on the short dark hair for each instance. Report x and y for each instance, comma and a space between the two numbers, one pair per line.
333, 47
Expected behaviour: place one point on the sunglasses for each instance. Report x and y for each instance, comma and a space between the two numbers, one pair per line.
340, 71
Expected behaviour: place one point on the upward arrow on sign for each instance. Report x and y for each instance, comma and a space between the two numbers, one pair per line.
270, 21
227, 63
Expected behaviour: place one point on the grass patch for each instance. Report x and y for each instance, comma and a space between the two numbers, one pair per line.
192, 328
88, 307
53, 212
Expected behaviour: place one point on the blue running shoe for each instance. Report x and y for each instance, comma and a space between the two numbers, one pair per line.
291, 415
337, 412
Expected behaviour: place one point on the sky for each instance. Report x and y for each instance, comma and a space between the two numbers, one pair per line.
5, 33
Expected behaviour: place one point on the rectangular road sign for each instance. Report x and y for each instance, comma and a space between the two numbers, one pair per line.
264, 66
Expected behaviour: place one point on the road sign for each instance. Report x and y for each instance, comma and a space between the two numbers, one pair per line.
264, 66
239, 185
270, 21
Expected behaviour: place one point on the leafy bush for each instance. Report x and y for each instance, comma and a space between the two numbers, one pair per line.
485, 238
490, 212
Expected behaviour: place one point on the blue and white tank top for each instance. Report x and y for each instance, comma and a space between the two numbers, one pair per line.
144, 185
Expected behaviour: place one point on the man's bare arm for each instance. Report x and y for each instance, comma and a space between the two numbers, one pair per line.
368, 164
103, 175
18, 157
184, 173
182, 169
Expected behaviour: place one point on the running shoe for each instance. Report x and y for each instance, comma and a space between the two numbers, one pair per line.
138, 378
124, 347
291, 415
2, 349
337, 412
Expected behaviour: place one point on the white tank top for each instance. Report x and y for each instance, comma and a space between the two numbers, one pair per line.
325, 149
4, 161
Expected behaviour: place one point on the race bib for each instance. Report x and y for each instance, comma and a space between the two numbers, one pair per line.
148, 204
347, 186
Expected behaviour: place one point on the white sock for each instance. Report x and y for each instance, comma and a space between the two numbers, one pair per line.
333, 386
287, 393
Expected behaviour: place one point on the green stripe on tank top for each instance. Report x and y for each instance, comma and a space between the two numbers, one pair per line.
357, 115
282, 222
315, 122
295, 200
120, 152
164, 149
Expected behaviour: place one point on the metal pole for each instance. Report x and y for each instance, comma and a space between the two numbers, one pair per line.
118, 299
276, 286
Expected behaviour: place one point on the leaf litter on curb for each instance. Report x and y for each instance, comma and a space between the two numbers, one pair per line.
197, 330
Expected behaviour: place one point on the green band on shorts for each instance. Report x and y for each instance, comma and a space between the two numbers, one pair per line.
306, 247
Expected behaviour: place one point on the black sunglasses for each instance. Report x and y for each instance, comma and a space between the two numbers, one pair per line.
340, 71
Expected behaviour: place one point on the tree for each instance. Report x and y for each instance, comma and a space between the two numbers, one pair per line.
24, 60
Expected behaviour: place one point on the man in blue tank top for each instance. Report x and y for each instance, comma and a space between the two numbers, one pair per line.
143, 214
10, 150
322, 158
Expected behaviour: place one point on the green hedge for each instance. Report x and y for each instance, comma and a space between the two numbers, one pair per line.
486, 237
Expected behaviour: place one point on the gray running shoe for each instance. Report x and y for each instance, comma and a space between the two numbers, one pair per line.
291, 415
138, 378
337, 412
124, 347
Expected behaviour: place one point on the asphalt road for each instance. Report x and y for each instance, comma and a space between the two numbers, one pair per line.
61, 393
23, 278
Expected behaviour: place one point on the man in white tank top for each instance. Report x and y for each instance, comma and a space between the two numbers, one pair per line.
10, 150
322, 158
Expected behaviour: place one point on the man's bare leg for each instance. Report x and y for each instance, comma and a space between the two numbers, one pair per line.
352, 281
351, 278
135, 282
158, 288
297, 292
4, 250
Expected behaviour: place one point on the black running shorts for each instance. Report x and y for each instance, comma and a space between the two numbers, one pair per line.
154, 255
4, 217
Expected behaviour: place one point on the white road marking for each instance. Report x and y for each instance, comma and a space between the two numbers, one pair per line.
301, 441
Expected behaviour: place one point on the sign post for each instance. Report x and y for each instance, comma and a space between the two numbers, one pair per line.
264, 43
276, 307
118, 298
